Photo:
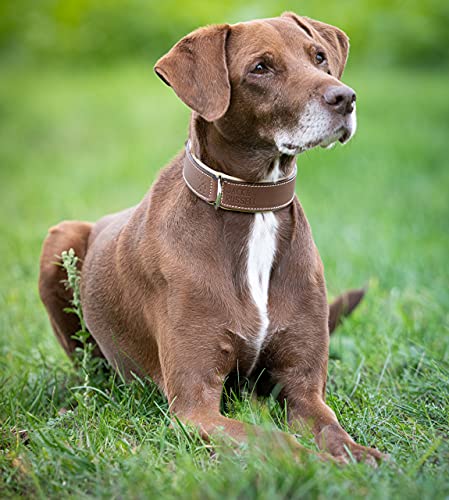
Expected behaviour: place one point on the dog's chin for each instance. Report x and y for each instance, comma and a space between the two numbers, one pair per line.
343, 135
291, 144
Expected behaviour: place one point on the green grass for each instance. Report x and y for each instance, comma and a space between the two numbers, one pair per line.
79, 144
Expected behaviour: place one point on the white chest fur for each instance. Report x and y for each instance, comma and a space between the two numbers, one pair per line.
261, 252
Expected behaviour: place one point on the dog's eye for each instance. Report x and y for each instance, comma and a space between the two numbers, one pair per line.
320, 57
260, 68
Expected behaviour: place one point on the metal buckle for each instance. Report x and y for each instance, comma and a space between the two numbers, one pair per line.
217, 202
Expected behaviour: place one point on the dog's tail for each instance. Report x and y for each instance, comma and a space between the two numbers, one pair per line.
343, 306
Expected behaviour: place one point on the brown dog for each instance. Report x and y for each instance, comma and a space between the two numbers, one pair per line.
187, 293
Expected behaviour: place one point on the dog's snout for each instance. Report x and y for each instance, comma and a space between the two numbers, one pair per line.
340, 98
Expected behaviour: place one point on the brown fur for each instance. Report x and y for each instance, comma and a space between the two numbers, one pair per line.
164, 286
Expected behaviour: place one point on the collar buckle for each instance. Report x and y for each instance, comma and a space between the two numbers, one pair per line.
226, 192
217, 201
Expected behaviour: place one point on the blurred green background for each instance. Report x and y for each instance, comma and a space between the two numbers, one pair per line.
406, 32
85, 126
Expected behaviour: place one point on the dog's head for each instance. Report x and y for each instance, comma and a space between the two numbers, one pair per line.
271, 83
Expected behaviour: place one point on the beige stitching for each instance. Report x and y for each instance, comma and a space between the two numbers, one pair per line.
246, 209
209, 178
280, 183
201, 196
255, 209
223, 203
210, 183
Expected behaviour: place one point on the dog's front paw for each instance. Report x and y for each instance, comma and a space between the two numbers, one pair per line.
370, 456
339, 444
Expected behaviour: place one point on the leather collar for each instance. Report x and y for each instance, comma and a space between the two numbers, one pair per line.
231, 193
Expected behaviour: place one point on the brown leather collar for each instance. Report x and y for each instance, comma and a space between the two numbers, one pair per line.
230, 193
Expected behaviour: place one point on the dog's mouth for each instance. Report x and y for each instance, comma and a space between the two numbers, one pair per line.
290, 149
342, 135
345, 136
315, 134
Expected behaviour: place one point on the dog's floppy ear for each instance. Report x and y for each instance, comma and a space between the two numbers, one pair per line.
333, 38
197, 71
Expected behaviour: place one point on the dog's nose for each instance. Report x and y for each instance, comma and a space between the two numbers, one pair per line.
340, 98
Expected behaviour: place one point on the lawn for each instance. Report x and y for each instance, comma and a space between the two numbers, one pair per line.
78, 143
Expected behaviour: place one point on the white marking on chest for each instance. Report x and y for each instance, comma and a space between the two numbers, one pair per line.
261, 252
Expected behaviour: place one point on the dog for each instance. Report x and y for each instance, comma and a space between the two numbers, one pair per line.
216, 269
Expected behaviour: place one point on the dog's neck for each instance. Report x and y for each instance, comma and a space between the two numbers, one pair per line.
252, 164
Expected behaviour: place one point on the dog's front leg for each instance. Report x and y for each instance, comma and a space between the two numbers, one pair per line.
193, 375
298, 363
194, 367
307, 408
